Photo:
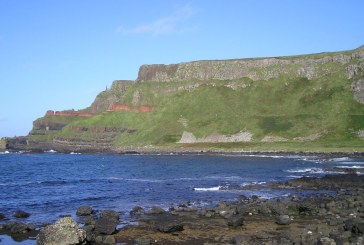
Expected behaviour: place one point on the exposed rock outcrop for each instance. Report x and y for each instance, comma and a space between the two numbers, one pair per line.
189, 138
297, 66
358, 90
107, 98
64, 232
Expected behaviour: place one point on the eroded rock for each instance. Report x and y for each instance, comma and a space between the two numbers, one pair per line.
64, 232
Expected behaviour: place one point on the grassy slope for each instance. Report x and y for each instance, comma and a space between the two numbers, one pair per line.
287, 107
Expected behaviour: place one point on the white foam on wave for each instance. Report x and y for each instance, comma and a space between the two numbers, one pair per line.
50, 151
340, 159
353, 166
306, 170
219, 177
350, 163
253, 183
215, 188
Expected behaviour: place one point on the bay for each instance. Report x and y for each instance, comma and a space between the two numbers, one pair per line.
51, 185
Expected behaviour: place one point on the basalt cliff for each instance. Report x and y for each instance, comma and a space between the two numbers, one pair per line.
307, 102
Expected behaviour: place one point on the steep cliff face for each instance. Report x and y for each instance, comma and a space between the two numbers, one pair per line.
254, 69
107, 98
291, 101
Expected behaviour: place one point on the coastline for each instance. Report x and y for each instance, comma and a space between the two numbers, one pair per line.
336, 217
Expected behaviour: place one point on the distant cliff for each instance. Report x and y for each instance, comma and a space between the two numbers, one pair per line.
308, 66
306, 102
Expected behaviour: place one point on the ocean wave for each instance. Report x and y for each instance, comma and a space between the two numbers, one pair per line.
340, 159
221, 177
306, 170
253, 183
353, 166
145, 180
215, 188
350, 163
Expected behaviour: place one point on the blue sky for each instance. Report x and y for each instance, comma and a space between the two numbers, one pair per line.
60, 54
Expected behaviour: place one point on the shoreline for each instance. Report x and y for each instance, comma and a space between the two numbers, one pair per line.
293, 219
184, 151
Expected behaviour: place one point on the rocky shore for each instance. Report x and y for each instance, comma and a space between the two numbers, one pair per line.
332, 217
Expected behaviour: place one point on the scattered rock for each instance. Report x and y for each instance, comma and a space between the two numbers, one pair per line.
137, 211
18, 228
64, 232
84, 211
236, 220
169, 226
109, 240
110, 214
105, 226
21, 214
89, 220
283, 220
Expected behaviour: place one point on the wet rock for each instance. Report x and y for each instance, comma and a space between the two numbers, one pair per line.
89, 221
64, 232
110, 214
2, 216
19, 228
236, 220
107, 223
21, 214
105, 226
283, 220
137, 211
169, 226
155, 210
358, 228
84, 211
109, 240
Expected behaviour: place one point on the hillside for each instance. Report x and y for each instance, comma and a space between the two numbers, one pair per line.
299, 103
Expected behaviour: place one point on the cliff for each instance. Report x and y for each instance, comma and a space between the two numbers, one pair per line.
304, 102
308, 66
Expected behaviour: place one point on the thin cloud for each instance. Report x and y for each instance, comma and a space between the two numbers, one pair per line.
3, 119
165, 25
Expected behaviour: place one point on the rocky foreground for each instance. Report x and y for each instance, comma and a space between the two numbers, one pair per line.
333, 218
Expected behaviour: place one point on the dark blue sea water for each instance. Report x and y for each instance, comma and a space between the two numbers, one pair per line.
50, 185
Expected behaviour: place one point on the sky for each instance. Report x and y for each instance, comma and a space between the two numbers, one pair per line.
60, 54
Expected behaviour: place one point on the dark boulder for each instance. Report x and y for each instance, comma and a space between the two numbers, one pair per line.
84, 211
19, 228
358, 228
283, 220
107, 223
110, 214
105, 226
169, 226
2, 216
89, 220
235, 220
21, 214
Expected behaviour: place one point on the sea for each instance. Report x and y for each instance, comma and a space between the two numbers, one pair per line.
51, 185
